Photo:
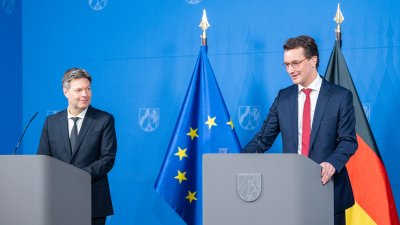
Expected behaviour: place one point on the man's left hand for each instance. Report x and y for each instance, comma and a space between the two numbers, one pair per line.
327, 172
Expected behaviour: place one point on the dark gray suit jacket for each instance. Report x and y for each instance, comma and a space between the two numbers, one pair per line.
333, 136
96, 150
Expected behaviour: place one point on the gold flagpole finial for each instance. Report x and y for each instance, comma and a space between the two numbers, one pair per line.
204, 25
339, 20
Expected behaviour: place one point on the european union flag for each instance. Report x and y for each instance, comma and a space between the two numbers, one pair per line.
203, 126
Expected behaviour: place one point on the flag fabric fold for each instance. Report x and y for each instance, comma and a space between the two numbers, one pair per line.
372, 192
203, 126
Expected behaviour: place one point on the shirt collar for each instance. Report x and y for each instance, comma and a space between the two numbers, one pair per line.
80, 115
315, 85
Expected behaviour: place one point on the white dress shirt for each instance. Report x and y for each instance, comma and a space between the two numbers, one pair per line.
301, 98
78, 123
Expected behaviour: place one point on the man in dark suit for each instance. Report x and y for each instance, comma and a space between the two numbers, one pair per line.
83, 137
315, 118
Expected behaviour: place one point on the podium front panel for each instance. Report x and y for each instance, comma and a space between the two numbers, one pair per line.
265, 189
40, 190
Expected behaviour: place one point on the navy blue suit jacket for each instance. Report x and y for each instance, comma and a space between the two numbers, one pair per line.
333, 136
97, 146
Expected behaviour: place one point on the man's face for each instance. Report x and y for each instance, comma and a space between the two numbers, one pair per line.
302, 70
79, 95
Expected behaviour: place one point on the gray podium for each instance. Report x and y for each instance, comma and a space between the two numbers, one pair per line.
267, 189
40, 190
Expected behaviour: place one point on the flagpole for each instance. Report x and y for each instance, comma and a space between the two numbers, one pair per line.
339, 20
204, 25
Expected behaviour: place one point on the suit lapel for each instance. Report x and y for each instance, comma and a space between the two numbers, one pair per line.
323, 98
63, 121
293, 109
87, 122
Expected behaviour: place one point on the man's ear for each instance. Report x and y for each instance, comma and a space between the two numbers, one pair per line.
65, 92
314, 59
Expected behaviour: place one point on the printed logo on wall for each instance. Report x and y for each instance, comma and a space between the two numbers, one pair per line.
249, 117
149, 118
193, 2
367, 110
97, 5
8, 6
51, 112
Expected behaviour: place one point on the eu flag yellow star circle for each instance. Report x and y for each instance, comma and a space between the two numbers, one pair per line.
191, 196
181, 153
211, 122
193, 133
230, 123
181, 176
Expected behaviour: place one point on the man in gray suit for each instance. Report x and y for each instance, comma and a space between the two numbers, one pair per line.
83, 137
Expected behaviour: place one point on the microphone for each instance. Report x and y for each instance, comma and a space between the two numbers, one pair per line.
22, 136
271, 111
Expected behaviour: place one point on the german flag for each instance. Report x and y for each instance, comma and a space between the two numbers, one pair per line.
372, 192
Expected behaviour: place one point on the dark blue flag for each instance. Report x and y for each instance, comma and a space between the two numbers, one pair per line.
203, 126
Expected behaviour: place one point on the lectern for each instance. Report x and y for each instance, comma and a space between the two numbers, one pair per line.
265, 189
40, 190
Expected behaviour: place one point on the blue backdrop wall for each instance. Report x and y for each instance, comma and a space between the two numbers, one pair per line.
141, 55
11, 75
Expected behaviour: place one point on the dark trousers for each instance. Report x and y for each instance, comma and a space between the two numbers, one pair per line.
99, 221
340, 218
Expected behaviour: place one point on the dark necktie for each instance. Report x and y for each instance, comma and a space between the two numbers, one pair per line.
306, 129
74, 135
